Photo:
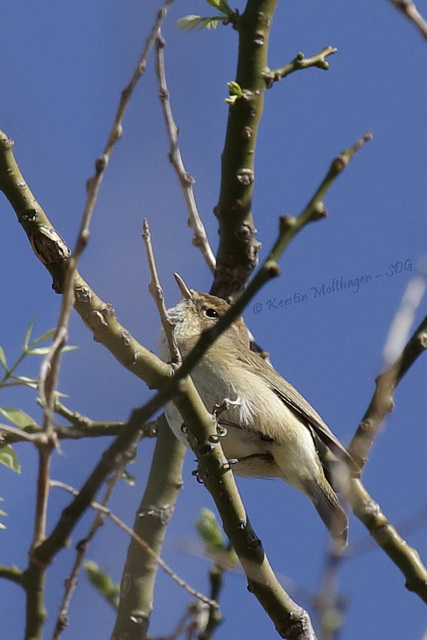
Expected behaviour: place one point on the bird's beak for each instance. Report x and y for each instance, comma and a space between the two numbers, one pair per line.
186, 293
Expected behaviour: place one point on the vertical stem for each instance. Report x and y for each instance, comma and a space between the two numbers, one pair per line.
42, 494
151, 520
238, 249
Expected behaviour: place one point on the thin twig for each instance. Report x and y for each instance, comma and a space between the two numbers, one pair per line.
288, 617
156, 291
382, 400
406, 526
401, 325
329, 604
19, 434
82, 547
186, 180
300, 62
116, 131
50, 367
409, 9
122, 525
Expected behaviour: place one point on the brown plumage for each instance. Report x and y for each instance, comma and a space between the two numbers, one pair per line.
269, 424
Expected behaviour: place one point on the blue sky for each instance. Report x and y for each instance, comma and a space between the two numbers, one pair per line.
63, 68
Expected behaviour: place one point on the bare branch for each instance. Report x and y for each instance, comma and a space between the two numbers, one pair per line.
382, 400
409, 9
82, 547
399, 330
116, 131
151, 521
200, 238
328, 602
289, 618
122, 525
156, 291
18, 434
300, 62
388, 538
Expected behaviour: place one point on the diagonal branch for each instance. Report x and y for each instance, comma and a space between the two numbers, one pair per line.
290, 619
116, 131
382, 399
299, 62
409, 9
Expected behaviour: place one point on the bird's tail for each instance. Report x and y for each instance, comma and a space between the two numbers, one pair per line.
329, 509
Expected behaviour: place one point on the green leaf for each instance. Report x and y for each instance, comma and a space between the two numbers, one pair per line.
27, 335
46, 336
102, 582
188, 23
128, 478
17, 416
2, 513
221, 5
236, 92
208, 529
43, 351
69, 347
28, 382
39, 351
3, 360
9, 458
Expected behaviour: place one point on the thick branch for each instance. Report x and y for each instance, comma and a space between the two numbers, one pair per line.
152, 517
238, 248
388, 538
291, 621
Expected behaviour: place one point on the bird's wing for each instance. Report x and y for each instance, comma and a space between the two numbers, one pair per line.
291, 397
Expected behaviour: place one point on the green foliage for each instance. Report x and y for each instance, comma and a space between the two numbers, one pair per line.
16, 416
9, 458
221, 5
236, 92
28, 349
2, 513
190, 22
129, 478
216, 546
102, 583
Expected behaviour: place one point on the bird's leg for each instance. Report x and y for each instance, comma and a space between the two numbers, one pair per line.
220, 408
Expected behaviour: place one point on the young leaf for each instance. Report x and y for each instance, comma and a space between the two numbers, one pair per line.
208, 529
128, 478
17, 416
27, 336
221, 5
188, 23
39, 351
28, 382
9, 458
68, 347
46, 336
2, 513
102, 582
216, 545
3, 360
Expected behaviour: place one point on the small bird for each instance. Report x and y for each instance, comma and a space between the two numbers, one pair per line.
268, 428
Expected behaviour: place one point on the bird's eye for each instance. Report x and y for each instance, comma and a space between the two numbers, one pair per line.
211, 313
